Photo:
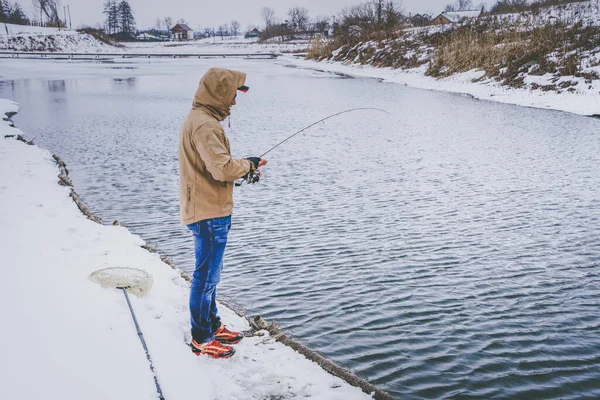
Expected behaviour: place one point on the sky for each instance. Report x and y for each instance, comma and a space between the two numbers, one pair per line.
203, 14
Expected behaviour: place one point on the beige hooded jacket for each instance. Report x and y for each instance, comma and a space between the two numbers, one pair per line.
206, 168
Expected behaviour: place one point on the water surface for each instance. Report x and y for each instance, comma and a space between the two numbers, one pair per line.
451, 250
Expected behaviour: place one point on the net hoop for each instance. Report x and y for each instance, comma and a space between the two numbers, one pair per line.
136, 281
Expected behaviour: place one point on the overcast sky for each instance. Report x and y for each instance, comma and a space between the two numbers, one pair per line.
212, 13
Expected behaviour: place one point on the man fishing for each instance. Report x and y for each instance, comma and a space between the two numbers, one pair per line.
206, 175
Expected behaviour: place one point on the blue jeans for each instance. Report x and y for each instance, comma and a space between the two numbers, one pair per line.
210, 238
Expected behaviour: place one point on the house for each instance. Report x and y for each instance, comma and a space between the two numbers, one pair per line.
453, 17
419, 19
182, 32
254, 33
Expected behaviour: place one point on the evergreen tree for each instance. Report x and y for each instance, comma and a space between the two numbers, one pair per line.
17, 15
126, 19
112, 16
3, 12
12, 13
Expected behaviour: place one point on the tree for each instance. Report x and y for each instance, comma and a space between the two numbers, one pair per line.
465, 5
126, 19
49, 8
450, 7
181, 21
235, 27
111, 10
3, 11
268, 15
321, 23
52, 13
158, 24
40, 6
16, 14
168, 21
298, 18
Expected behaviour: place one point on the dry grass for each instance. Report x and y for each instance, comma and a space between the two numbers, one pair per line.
508, 53
100, 36
320, 48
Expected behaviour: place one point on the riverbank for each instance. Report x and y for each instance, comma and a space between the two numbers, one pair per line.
545, 56
584, 103
78, 340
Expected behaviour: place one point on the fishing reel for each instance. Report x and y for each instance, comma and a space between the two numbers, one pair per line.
249, 178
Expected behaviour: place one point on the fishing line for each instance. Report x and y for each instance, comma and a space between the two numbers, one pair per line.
321, 120
254, 176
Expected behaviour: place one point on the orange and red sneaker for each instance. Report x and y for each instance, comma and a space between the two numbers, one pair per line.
224, 335
212, 349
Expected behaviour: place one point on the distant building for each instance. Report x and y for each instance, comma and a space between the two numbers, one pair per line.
420, 19
254, 33
453, 17
182, 32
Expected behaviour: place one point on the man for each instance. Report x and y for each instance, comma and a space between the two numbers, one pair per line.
206, 175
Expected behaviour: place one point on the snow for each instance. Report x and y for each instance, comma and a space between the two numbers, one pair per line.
585, 101
34, 38
14, 29
233, 44
69, 338
457, 16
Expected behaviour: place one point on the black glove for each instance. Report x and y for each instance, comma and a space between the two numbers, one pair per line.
254, 161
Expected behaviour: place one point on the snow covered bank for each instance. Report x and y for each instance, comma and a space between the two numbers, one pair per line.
76, 340
585, 102
33, 38
548, 57
217, 45
14, 29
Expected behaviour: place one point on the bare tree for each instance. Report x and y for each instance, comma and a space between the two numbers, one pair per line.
40, 6
298, 18
168, 21
465, 5
181, 21
321, 23
268, 15
450, 7
235, 27
158, 24
49, 8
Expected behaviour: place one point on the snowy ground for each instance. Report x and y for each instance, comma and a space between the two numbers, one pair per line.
14, 29
231, 44
33, 38
76, 340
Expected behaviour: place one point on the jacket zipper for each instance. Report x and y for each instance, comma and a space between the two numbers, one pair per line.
189, 199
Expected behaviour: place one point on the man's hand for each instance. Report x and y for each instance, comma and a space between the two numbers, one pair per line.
254, 174
256, 162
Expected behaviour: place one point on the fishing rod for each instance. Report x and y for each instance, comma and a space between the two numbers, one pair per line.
254, 176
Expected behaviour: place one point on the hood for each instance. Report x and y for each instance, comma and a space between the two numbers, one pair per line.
216, 91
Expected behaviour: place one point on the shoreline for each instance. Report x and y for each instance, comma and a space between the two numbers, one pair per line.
348, 387
585, 104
